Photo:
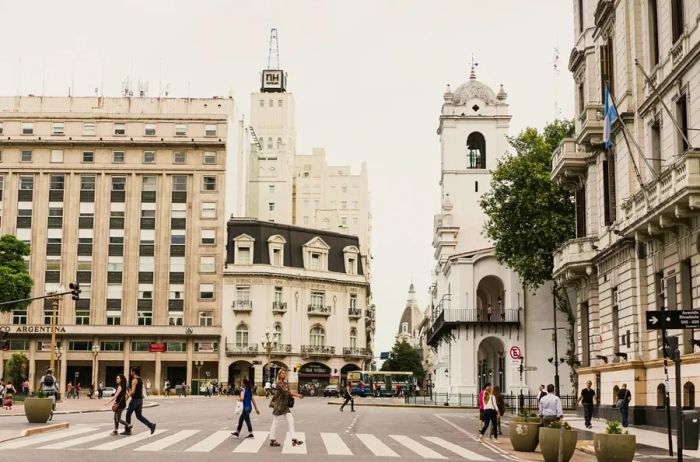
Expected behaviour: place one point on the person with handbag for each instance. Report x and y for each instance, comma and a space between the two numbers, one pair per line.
119, 400
624, 396
281, 403
490, 413
247, 402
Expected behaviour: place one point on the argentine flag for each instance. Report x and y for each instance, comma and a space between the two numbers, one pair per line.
610, 116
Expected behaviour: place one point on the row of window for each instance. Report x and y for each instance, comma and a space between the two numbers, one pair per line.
317, 336
119, 157
137, 346
318, 297
118, 129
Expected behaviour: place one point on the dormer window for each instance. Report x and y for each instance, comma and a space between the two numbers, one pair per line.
404, 327
276, 249
316, 255
351, 254
243, 253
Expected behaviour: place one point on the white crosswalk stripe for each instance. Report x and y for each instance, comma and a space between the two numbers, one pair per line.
94, 438
252, 445
211, 442
376, 446
459, 450
416, 447
288, 448
127, 440
168, 441
335, 446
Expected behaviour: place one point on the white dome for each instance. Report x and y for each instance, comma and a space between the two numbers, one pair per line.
473, 89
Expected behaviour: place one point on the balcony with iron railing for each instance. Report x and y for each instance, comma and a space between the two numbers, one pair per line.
351, 352
446, 319
242, 305
309, 351
238, 349
354, 313
279, 307
319, 310
568, 163
670, 200
279, 349
574, 257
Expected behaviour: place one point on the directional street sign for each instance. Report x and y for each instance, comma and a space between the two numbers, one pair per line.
675, 319
525, 368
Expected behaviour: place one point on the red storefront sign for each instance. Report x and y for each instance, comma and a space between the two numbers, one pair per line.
156, 348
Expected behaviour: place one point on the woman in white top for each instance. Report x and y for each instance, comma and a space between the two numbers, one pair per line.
490, 413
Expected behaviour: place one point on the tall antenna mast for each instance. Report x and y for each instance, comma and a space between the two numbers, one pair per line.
273, 57
555, 77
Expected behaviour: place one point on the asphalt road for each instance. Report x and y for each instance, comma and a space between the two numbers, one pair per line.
199, 428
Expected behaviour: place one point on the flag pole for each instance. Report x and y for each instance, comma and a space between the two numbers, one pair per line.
629, 148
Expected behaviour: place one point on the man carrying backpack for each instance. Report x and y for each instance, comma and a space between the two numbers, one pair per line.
49, 385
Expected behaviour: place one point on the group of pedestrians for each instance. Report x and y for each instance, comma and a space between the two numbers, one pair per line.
491, 408
7, 394
129, 395
589, 399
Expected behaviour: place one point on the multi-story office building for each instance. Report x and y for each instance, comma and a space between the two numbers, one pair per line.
126, 196
303, 190
301, 292
637, 246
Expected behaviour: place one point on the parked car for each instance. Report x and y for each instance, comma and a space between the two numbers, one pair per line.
331, 390
361, 390
108, 392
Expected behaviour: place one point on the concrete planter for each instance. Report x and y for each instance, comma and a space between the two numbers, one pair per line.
524, 435
38, 410
549, 443
614, 448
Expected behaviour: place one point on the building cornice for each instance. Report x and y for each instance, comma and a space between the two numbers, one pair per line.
260, 272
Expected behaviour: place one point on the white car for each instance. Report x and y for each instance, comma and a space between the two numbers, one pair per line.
108, 392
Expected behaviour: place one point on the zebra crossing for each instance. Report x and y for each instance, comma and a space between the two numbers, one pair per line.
98, 438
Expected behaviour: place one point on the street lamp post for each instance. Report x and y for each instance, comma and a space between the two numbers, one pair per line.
95, 352
199, 365
58, 352
54, 298
267, 344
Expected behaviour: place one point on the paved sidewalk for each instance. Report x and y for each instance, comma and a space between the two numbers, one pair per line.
655, 439
70, 406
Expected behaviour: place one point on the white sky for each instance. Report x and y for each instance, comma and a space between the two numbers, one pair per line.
368, 79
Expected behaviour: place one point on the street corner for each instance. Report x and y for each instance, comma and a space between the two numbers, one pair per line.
46, 428
14, 431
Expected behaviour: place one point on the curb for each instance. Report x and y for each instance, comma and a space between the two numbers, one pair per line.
586, 449
86, 411
414, 406
45, 429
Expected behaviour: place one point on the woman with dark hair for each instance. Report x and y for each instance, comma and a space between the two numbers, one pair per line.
119, 400
248, 400
282, 400
501, 405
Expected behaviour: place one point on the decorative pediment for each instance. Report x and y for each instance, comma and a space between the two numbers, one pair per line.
276, 239
351, 249
243, 238
575, 59
317, 243
604, 12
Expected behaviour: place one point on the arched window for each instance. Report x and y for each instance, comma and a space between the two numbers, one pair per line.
242, 335
353, 338
317, 336
277, 334
279, 142
660, 394
476, 150
689, 395
269, 143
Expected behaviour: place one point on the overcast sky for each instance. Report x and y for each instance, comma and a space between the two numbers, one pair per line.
367, 76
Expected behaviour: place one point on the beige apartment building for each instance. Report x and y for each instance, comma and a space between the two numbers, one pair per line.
126, 196
638, 244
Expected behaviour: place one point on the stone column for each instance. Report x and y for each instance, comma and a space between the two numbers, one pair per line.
63, 372
190, 348
33, 379
157, 379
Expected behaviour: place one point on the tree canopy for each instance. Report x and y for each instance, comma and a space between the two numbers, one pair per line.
403, 357
15, 282
17, 369
529, 215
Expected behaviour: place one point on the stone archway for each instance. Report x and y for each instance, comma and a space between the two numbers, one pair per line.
271, 369
490, 293
347, 368
238, 371
491, 364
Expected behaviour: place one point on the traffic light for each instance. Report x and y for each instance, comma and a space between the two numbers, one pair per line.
75, 290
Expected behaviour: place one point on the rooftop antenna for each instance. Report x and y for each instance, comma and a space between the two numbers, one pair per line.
555, 77
273, 56
143, 88
472, 73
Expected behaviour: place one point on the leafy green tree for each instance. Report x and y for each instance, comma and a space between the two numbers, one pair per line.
16, 369
529, 215
403, 357
15, 282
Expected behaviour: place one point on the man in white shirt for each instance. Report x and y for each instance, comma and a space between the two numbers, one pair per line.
550, 407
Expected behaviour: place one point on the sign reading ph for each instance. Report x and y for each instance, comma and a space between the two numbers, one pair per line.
515, 352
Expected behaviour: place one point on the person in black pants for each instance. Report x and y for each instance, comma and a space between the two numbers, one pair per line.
587, 398
624, 396
136, 403
490, 413
347, 394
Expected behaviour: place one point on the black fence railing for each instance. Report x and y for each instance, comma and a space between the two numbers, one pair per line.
529, 402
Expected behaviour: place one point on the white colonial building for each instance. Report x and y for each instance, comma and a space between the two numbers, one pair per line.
305, 292
480, 308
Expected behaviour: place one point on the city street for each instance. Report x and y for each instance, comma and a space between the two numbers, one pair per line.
201, 428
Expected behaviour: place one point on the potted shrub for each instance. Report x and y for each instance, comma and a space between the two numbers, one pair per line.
614, 445
38, 407
524, 431
549, 441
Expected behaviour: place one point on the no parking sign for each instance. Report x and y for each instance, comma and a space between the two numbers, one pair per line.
515, 353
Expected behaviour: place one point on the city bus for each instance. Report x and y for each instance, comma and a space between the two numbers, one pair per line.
379, 383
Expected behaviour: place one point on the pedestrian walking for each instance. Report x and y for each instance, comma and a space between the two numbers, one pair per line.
50, 387
490, 413
100, 390
586, 399
8, 396
489, 310
347, 394
77, 391
268, 389
248, 400
624, 396
481, 405
69, 390
25, 388
148, 388
184, 389
501, 405
550, 407
119, 400
281, 403
166, 388
136, 403
542, 393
